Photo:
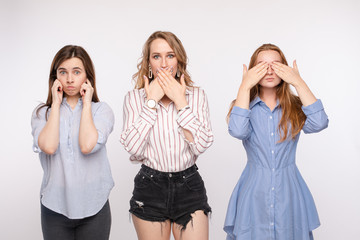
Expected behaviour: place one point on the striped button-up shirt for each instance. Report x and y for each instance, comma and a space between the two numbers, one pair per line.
156, 137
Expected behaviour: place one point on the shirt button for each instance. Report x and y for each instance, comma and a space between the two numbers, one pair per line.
272, 224
272, 134
170, 175
271, 205
272, 189
273, 169
270, 117
272, 151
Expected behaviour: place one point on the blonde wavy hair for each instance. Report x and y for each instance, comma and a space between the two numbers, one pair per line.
180, 54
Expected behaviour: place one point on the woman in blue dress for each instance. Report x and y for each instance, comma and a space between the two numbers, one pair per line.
271, 199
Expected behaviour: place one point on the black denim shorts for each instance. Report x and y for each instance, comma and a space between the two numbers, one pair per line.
160, 196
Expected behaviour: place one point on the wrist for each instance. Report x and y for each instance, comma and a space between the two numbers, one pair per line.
180, 104
151, 103
245, 87
299, 83
55, 105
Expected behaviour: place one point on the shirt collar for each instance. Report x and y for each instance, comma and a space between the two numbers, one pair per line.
64, 101
258, 100
254, 102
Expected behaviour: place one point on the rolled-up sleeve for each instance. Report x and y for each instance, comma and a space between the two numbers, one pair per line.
104, 120
38, 122
239, 123
316, 118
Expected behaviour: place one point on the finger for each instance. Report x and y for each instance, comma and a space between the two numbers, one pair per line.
88, 82
162, 84
164, 78
261, 66
146, 82
182, 80
295, 66
244, 69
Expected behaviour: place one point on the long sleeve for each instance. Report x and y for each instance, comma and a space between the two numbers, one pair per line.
38, 122
198, 124
138, 120
239, 123
316, 118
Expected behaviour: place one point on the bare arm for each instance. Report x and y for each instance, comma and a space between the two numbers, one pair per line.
88, 134
49, 136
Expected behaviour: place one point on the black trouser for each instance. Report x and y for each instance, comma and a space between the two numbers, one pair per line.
56, 226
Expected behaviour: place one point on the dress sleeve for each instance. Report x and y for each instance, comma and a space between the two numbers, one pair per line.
239, 123
103, 119
199, 125
138, 121
316, 118
38, 122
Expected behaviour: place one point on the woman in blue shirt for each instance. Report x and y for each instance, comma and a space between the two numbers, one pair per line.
271, 199
70, 131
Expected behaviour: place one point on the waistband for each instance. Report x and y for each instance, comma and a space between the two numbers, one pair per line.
182, 174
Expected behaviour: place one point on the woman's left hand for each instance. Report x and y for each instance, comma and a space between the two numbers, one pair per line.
172, 88
290, 75
86, 91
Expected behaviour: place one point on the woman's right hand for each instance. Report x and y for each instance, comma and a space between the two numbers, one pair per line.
57, 92
254, 75
153, 90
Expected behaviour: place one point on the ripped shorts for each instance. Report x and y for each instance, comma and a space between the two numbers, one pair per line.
160, 196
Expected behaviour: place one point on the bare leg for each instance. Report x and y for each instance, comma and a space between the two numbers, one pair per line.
147, 230
197, 229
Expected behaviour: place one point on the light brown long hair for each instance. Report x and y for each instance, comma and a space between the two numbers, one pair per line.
65, 53
290, 104
180, 54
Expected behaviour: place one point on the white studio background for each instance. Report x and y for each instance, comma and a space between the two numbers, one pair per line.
219, 36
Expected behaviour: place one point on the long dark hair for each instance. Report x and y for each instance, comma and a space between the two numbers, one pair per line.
65, 53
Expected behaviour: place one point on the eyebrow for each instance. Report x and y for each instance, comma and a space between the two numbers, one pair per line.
75, 68
166, 53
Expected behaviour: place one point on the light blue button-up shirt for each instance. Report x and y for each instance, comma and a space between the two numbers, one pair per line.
271, 199
74, 184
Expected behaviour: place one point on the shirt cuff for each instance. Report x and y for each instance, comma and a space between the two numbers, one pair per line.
313, 108
240, 111
186, 119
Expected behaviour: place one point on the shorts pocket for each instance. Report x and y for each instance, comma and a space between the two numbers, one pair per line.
141, 181
194, 182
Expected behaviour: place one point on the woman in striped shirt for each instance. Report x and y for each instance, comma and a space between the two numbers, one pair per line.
166, 127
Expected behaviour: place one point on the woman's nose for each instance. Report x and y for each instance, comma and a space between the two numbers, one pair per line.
70, 78
164, 63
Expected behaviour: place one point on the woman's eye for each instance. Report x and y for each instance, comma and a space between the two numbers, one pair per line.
62, 72
77, 72
171, 56
156, 56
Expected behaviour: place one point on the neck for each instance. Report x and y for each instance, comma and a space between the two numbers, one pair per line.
72, 101
268, 96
